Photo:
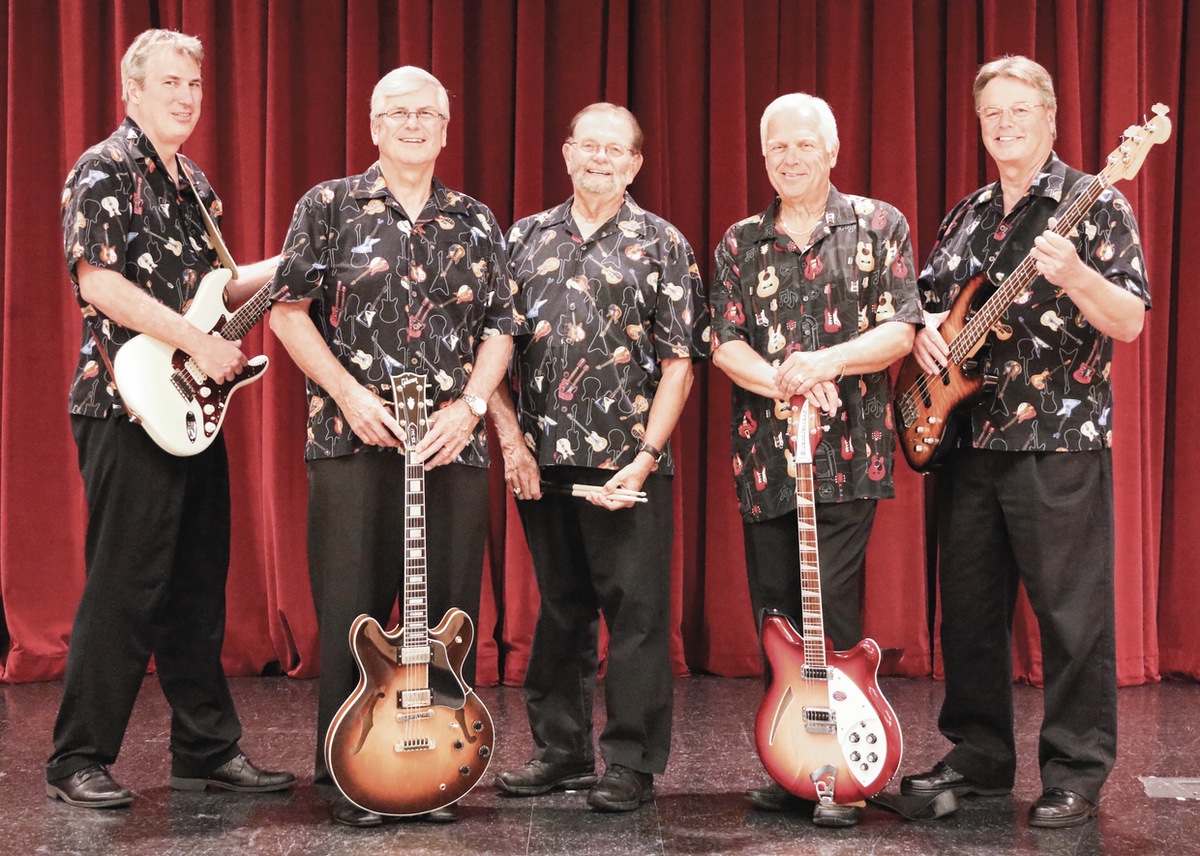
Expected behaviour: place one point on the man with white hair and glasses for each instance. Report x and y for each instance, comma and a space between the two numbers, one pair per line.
816, 296
381, 273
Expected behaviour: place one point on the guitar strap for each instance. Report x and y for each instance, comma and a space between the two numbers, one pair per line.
1020, 242
112, 375
214, 233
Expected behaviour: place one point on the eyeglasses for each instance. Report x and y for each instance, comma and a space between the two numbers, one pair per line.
400, 116
1019, 112
591, 147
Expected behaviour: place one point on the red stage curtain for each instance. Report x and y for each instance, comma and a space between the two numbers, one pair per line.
286, 90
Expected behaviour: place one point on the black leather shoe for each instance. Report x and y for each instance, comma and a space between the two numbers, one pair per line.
1057, 808
621, 789
541, 777
239, 773
348, 814
943, 778
445, 814
773, 797
91, 787
835, 815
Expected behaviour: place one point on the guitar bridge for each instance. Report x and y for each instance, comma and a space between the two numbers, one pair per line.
416, 744
820, 720
181, 386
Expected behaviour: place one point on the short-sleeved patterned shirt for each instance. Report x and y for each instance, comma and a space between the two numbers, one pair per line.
121, 211
391, 296
601, 314
777, 297
1053, 391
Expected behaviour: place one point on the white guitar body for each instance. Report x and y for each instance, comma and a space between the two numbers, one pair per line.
179, 406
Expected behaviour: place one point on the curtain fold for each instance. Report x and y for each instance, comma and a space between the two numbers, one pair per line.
287, 84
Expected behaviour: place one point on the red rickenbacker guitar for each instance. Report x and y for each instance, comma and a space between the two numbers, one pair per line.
412, 737
180, 407
924, 403
824, 730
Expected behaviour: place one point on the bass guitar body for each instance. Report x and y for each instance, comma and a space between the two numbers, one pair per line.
825, 732
180, 407
412, 737
925, 404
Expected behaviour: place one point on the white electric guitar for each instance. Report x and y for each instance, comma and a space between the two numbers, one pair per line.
180, 407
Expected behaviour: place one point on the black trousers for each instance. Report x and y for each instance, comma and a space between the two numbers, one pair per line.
1044, 519
589, 561
157, 554
773, 565
356, 520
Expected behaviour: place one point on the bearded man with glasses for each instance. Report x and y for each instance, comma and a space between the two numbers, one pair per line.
381, 273
1026, 495
617, 315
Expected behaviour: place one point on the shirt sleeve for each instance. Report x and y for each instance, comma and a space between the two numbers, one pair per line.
96, 216
500, 317
681, 313
726, 300
300, 274
892, 296
1109, 244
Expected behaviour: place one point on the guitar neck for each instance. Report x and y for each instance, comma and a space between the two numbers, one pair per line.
812, 616
248, 314
963, 345
416, 621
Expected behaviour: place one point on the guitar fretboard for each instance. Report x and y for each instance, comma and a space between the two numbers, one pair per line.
812, 616
248, 314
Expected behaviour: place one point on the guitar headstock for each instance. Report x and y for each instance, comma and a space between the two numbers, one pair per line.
805, 423
1126, 159
408, 398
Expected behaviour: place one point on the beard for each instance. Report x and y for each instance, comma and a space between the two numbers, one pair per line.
599, 184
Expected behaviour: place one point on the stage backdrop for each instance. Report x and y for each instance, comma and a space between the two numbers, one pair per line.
286, 91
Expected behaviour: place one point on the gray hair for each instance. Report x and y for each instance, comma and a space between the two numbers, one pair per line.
406, 79
133, 64
616, 109
802, 102
1018, 68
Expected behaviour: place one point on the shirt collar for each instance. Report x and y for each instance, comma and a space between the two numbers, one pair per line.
137, 141
839, 211
630, 218
1049, 183
372, 185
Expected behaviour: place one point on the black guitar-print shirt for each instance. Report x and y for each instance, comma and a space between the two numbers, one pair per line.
601, 314
777, 297
391, 296
122, 212
1053, 391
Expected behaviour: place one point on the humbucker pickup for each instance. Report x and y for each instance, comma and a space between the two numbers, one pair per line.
820, 720
415, 698
414, 656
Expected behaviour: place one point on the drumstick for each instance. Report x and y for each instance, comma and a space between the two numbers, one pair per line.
585, 490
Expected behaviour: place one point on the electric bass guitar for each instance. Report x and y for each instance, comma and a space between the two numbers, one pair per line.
824, 730
180, 407
924, 404
412, 737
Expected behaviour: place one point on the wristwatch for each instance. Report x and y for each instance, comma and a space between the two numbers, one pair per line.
478, 405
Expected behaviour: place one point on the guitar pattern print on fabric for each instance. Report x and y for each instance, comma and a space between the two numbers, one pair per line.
855, 273
122, 212
1046, 354
601, 314
390, 295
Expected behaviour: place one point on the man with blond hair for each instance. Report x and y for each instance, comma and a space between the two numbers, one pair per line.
1026, 495
157, 545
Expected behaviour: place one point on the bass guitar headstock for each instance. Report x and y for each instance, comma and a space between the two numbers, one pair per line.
805, 423
1126, 159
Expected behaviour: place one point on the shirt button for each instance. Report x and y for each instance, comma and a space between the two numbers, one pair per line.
571, 306
413, 361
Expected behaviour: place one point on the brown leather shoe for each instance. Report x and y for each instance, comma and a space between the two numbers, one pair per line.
541, 777
621, 789
1058, 808
348, 814
91, 787
943, 778
239, 773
